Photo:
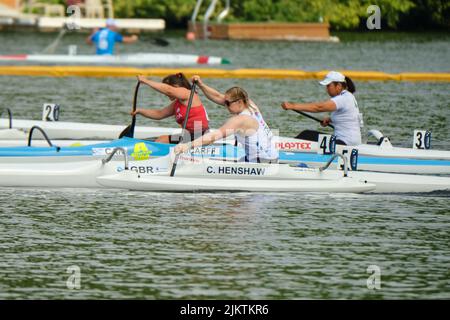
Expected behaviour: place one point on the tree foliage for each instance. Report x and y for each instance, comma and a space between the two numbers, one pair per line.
341, 14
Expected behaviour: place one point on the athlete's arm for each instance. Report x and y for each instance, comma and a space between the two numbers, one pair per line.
323, 106
243, 124
130, 39
211, 93
156, 114
178, 93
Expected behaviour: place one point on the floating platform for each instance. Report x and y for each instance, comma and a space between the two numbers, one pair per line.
97, 71
265, 31
52, 24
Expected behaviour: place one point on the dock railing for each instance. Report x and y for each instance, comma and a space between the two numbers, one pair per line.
209, 12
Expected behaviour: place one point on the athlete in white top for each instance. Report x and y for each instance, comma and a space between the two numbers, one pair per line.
247, 124
259, 146
343, 106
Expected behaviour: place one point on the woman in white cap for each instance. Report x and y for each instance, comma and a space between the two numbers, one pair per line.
345, 115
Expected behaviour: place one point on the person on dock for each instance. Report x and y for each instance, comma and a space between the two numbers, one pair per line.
345, 115
106, 38
246, 123
178, 88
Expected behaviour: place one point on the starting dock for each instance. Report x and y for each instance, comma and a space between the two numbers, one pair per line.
55, 17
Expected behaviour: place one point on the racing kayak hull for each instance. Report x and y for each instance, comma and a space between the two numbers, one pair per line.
226, 151
133, 181
208, 175
93, 131
213, 175
162, 59
77, 130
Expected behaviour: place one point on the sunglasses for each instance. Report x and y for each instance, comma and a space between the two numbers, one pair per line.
229, 103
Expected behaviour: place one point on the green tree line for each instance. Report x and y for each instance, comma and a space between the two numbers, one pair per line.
341, 14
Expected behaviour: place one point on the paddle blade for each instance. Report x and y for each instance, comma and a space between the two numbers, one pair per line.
126, 132
160, 42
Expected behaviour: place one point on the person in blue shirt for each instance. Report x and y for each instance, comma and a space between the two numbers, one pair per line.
106, 38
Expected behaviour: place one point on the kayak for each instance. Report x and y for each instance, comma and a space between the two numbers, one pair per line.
136, 149
224, 151
43, 143
387, 151
91, 174
94, 131
194, 174
373, 163
133, 181
199, 173
76, 130
72, 173
162, 59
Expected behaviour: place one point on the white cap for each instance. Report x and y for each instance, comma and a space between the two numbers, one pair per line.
332, 76
111, 22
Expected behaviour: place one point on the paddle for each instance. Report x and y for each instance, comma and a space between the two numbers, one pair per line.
191, 97
50, 49
311, 117
129, 131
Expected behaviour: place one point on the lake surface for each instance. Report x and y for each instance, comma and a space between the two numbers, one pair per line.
137, 245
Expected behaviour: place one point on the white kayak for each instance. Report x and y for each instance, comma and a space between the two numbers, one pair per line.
76, 172
37, 142
137, 59
13, 137
16, 137
92, 174
196, 174
385, 150
75, 130
152, 174
93, 131
133, 181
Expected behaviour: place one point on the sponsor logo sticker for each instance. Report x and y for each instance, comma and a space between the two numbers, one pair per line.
141, 152
104, 151
293, 145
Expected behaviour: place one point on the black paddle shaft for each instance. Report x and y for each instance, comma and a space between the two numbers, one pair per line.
133, 121
129, 131
191, 97
311, 117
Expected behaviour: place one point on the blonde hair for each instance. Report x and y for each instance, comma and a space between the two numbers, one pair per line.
237, 93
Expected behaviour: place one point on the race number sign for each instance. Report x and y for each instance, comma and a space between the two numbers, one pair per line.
351, 155
50, 112
422, 139
327, 144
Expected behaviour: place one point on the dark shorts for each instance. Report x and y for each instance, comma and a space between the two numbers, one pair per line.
187, 137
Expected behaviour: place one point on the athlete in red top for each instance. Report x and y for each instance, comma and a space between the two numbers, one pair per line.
178, 89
